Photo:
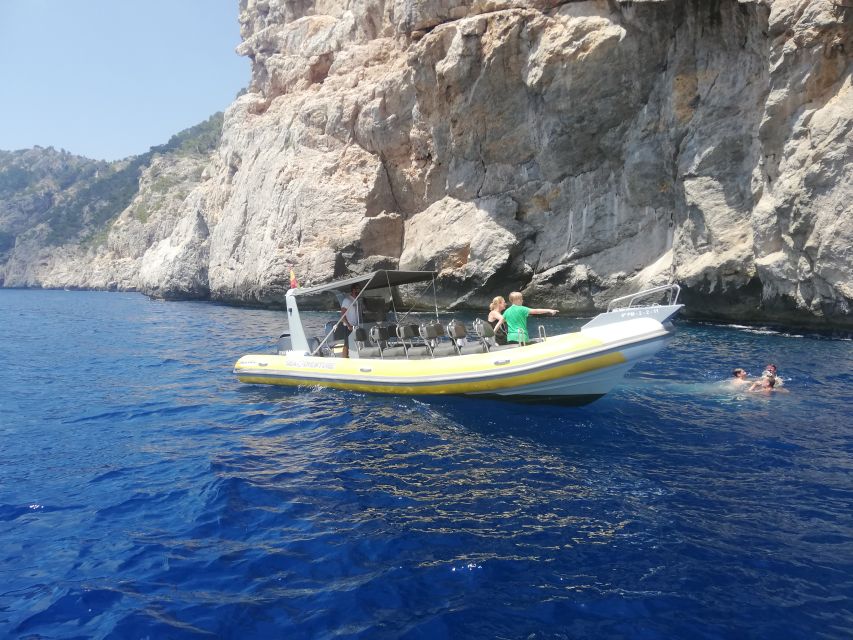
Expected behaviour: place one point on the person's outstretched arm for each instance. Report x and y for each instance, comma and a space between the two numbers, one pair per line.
543, 312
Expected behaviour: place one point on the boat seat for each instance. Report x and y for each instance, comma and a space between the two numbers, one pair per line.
379, 336
431, 331
360, 334
392, 331
457, 333
487, 337
361, 341
432, 334
418, 352
406, 334
444, 349
472, 347
486, 334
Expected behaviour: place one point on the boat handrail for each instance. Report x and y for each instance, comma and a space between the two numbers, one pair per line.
673, 291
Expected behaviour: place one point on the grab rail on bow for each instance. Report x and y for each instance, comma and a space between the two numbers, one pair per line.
672, 291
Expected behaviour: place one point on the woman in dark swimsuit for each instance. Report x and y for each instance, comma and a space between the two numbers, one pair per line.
496, 319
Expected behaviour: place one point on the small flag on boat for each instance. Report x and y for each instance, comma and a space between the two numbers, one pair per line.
293, 283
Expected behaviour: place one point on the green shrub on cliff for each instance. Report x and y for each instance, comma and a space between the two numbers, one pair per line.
42, 170
96, 202
14, 179
202, 139
77, 197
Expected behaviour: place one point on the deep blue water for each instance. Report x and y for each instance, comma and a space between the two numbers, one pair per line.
145, 493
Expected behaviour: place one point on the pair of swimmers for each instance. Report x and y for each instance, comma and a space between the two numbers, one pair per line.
767, 383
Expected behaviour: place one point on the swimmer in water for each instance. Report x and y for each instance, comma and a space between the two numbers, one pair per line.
770, 371
767, 384
739, 377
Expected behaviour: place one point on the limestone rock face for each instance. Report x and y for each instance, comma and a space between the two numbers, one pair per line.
803, 183
575, 151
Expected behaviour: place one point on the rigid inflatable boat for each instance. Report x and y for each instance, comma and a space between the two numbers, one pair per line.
393, 354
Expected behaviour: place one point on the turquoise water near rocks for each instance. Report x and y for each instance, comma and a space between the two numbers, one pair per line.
144, 492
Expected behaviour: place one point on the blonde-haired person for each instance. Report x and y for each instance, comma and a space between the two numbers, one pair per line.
766, 384
496, 319
516, 318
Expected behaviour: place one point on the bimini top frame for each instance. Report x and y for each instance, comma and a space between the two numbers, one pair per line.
377, 280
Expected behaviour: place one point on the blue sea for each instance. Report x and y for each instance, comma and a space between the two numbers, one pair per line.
146, 493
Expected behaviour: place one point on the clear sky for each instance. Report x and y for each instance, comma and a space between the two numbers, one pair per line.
110, 78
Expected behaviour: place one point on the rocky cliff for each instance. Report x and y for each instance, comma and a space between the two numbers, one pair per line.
573, 150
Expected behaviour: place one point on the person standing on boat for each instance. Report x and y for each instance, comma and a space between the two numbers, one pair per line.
516, 318
496, 319
350, 315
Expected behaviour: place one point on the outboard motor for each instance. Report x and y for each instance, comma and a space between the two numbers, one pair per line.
283, 345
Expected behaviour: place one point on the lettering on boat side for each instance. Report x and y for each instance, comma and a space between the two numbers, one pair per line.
310, 364
501, 361
636, 314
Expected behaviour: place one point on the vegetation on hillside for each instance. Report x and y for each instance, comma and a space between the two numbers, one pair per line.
77, 197
28, 170
202, 139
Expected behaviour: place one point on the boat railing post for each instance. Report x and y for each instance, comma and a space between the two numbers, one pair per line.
542, 336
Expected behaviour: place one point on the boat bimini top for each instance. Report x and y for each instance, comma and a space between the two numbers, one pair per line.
376, 280
383, 279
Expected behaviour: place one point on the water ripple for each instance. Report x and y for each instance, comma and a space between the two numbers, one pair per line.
146, 493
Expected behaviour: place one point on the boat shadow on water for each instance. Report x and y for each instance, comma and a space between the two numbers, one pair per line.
447, 417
